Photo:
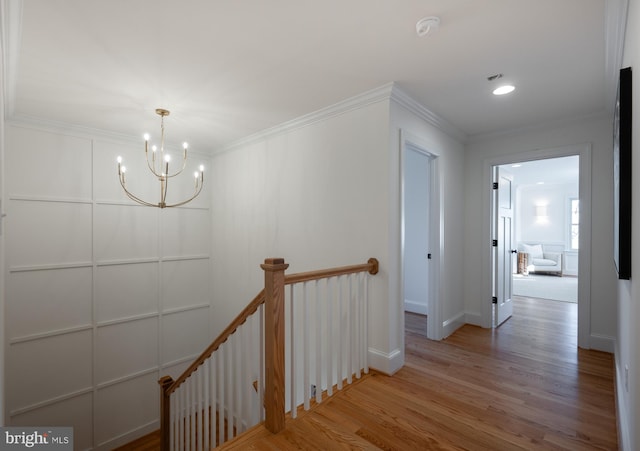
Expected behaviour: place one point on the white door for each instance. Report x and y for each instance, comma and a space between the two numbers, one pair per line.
416, 230
503, 246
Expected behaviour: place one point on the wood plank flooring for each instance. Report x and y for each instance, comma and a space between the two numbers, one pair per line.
525, 385
415, 323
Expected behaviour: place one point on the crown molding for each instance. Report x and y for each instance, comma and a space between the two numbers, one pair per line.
372, 96
406, 101
388, 91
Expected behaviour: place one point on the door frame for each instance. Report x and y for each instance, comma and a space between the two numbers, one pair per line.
410, 142
584, 256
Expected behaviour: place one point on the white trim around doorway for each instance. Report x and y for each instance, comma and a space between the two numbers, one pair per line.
584, 257
435, 328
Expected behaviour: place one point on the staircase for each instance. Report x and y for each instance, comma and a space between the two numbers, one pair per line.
303, 335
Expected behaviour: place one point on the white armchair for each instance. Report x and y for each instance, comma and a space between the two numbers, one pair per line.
541, 260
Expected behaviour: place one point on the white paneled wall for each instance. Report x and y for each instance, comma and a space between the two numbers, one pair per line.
103, 296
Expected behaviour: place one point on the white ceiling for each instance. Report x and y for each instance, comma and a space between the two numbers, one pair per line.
551, 171
227, 69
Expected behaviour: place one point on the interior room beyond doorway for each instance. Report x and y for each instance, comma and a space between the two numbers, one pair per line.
546, 228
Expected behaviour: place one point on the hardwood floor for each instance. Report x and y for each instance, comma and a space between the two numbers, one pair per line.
524, 385
149, 442
415, 323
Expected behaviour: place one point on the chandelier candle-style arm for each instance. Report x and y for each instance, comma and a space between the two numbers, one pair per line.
159, 167
199, 177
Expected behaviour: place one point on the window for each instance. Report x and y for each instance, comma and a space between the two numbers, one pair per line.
575, 223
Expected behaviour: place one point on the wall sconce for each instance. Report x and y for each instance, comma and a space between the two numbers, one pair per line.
541, 211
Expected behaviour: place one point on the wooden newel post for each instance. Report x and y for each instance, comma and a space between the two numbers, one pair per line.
274, 343
165, 413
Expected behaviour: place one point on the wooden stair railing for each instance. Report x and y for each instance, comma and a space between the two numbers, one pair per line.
272, 300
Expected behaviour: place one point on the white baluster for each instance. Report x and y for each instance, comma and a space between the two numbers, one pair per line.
243, 380
305, 351
349, 341
339, 331
249, 357
182, 418
358, 326
237, 380
361, 323
319, 340
231, 379
206, 400
293, 361
192, 409
261, 369
198, 415
329, 333
221, 405
187, 416
213, 390
365, 344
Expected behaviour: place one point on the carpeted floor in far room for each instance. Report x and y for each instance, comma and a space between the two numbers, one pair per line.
546, 287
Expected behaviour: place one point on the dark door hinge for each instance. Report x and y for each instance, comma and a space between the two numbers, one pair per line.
494, 300
495, 185
494, 243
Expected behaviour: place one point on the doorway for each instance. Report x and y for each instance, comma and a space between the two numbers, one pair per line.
542, 260
420, 237
417, 167
543, 222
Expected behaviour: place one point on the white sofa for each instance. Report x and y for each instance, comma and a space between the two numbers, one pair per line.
542, 257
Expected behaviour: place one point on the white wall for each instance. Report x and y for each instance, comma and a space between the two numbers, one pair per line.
597, 132
323, 195
316, 195
628, 299
449, 250
102, 297
554, 228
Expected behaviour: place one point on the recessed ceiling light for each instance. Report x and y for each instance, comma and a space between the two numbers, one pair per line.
504, 89
517, 165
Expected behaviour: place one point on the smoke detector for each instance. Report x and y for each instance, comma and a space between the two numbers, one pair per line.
426, 24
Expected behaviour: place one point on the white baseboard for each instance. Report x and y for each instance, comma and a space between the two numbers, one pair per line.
603, 343
415, 307
473, 318
387, 363
452, 324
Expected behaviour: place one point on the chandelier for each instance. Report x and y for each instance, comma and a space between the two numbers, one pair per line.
158, 163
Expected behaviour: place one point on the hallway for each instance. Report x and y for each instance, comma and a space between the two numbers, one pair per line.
525, 385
